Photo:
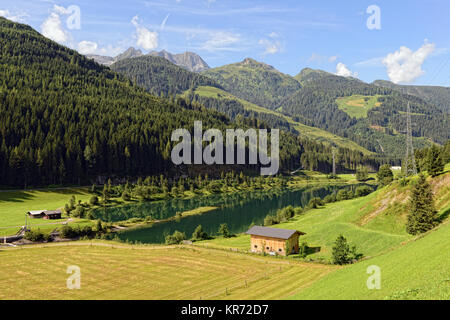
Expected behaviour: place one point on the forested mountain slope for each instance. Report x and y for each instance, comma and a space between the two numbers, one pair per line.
66, 119
160, 76
384, 119
434, 95
255, 82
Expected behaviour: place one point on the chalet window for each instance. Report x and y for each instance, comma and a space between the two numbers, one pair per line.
280, 249
256, 246
267, 248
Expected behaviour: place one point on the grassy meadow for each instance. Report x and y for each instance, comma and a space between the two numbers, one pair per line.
357, 105
311, 132
15, 204
374, 223
149, 272
420, 269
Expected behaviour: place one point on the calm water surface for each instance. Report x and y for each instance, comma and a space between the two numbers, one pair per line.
238, 210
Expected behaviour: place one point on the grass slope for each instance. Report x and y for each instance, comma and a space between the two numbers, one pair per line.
358, 105
418, 270
149, 272
15, 204
310, 132
375, 223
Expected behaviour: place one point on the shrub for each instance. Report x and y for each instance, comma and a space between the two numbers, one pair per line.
35, 236
315, 202
199, 234
362, 191
330, 198
67, 232
79, 212
344, 195
176, 238
270, 220
385, 175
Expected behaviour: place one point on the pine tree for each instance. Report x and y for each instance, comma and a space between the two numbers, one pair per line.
423, 213
341, 250
223, 230
435, 164
385, 175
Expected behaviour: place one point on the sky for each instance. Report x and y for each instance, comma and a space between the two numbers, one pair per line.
407, 42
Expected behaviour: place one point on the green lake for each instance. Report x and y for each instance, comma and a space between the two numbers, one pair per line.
238, 210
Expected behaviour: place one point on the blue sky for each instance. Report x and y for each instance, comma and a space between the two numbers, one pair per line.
412, 44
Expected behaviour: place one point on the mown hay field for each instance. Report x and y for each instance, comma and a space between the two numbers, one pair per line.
118, 271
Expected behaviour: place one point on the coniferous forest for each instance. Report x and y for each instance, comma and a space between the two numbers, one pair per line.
66, 119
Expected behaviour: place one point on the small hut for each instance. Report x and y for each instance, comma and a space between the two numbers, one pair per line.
52, 214
273, 240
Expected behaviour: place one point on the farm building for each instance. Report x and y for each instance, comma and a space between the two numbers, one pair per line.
52, 214
45, 214
36, 213
273, 240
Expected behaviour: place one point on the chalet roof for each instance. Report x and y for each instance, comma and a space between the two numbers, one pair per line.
52, 212
36, 212
272, 232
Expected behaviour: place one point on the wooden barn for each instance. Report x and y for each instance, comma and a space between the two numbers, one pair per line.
52, 214
36, 213
273, 240
45, 214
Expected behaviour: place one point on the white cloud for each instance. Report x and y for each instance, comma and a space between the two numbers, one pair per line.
405, 65
163, 24
87, 47
52, 28
221, 41
317, 58
342, 70
146, 39
16, 17
332, 58
272, 45
373, 62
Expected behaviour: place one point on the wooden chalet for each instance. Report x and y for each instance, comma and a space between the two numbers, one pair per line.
273, 240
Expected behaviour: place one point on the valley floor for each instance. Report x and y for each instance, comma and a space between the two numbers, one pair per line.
113, 271
411, 267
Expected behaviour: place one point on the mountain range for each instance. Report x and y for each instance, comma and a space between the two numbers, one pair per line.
187, 60
66, 118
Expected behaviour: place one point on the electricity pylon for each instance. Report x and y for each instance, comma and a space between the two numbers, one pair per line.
410, 161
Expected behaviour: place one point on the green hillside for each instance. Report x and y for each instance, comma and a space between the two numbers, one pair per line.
254, 81
370, 115
357, 106
374, 223
435, 95
420, 269
160, 76
313, 133
66, 119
